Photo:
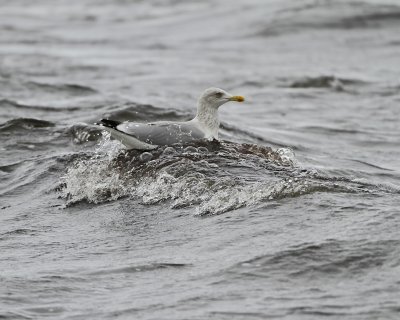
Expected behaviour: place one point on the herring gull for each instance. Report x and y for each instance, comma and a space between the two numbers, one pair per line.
147, 136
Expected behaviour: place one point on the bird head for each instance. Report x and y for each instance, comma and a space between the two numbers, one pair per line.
215, 97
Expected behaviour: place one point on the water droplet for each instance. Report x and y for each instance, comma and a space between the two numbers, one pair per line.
146, 156
190, 149
168, 151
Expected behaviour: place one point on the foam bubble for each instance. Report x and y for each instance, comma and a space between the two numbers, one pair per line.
146, 157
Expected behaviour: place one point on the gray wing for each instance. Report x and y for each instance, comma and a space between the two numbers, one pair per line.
162, 133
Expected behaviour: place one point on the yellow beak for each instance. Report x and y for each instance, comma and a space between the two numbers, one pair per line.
236, 98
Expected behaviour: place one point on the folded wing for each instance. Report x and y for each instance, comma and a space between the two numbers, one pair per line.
162, 133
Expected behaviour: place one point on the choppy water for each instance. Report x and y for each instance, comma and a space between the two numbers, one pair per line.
294, 215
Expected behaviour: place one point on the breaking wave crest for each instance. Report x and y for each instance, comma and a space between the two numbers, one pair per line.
210, 177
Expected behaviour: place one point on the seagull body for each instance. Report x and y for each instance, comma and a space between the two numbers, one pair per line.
148, 136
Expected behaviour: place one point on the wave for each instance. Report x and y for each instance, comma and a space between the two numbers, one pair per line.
25, 124
83, 133
331, 15
70, 88
210, 177
11, 104
331, 130
327, 259
131, 111
30, 177
248, 136
140, 268
372, 165
390, 15
331, 82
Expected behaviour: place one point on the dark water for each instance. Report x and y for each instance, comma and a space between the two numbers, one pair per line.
294, 215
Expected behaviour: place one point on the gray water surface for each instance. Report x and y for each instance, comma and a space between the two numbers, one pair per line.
294, 214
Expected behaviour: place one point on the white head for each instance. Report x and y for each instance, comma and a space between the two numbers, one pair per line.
207, 109
215, 97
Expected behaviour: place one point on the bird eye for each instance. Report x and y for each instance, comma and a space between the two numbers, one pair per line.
219, 94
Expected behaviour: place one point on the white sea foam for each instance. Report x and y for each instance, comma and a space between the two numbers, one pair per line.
183, 182
287, 155
93, 180
207, 197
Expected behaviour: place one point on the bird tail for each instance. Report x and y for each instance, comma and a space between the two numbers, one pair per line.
108, 123
128, 140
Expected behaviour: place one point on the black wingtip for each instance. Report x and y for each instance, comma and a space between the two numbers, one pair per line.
108, 123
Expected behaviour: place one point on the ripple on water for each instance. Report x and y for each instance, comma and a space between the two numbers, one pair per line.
330, 259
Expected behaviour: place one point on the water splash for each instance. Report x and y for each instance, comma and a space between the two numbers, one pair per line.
209, 177
94, 179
